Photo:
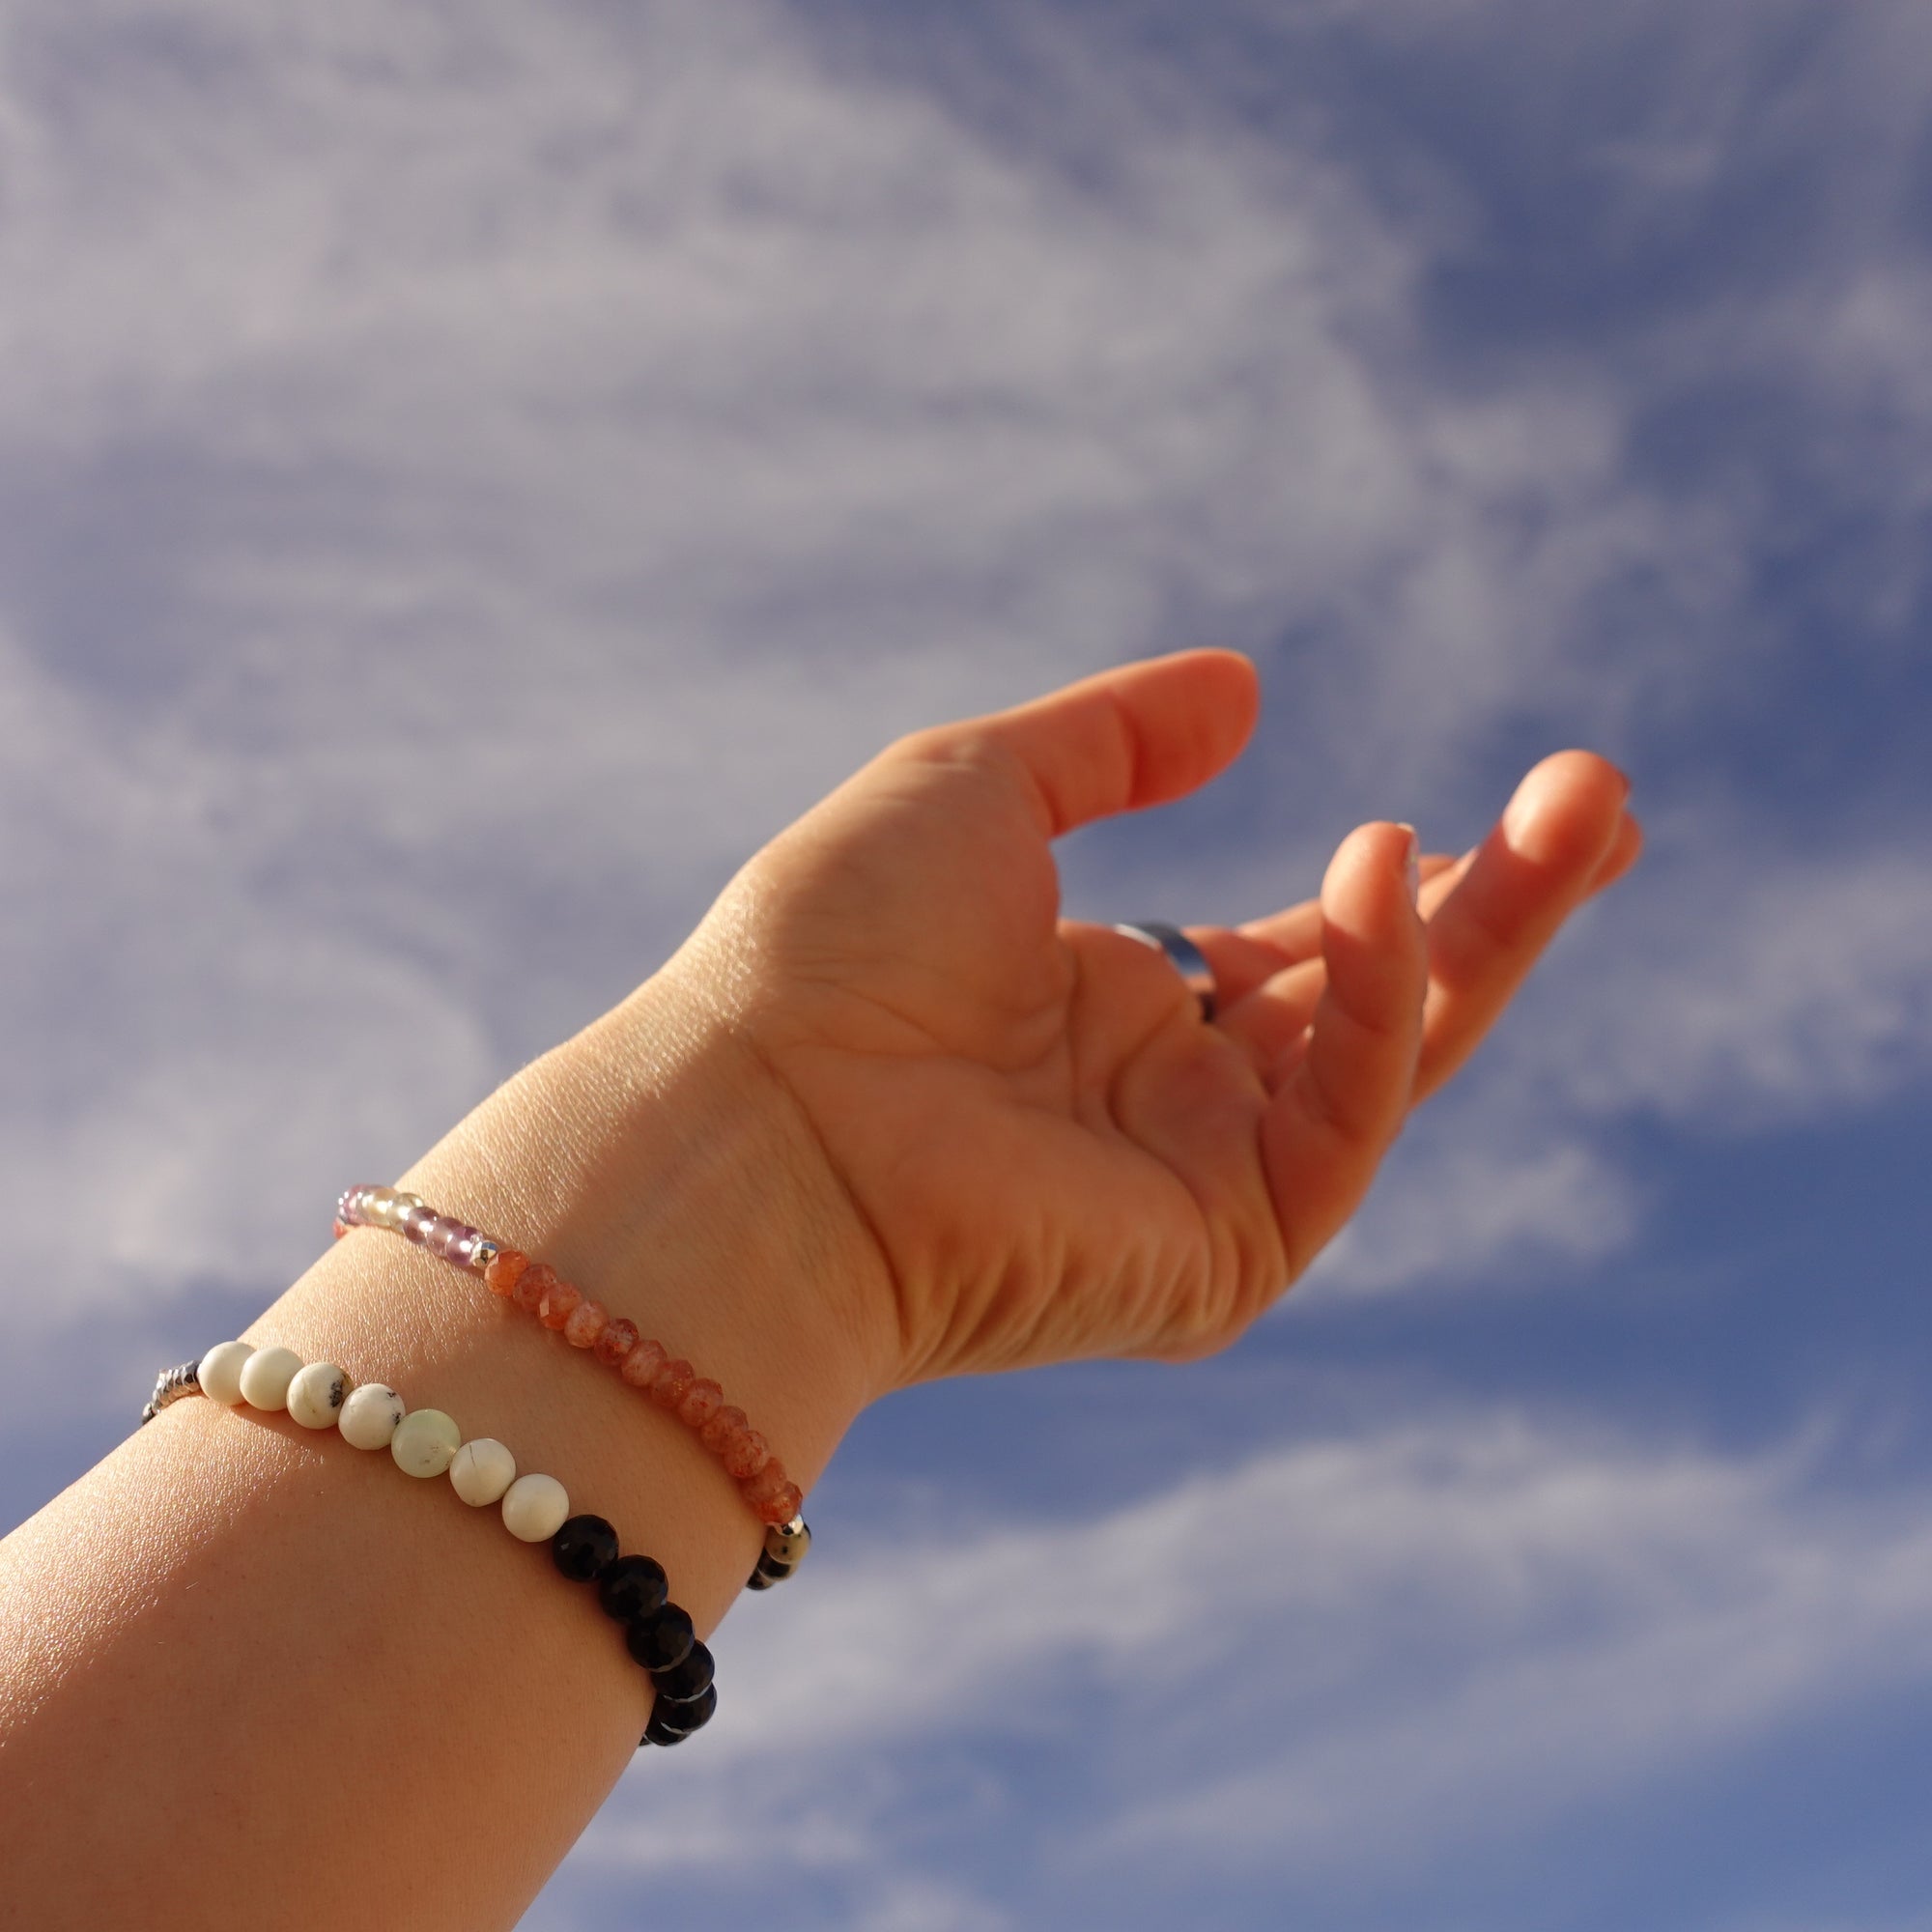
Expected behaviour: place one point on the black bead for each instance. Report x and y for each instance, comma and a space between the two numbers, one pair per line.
757, 1580
583, 1547
773, 1571
670, 1722
687, 1680
632, 1587
661, 1639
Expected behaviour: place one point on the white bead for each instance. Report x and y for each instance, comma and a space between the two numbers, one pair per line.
424, 1442
483, 1469
266, 1377
316, 1395
370, 1415
219, 1371
534, 1508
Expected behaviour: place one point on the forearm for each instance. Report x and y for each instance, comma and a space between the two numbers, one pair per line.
250, 1666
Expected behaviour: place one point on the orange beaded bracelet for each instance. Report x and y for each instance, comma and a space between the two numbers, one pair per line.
670, 1382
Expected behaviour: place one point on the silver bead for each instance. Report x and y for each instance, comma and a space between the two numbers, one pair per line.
170, 1385
482, 1254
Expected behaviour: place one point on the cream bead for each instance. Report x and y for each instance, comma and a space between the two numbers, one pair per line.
316, 1395
425, 1442
534, 1508
266, 1377
219, 1371
482, 1470
370, 1415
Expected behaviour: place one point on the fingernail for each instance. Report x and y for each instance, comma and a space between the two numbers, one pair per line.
1414, 863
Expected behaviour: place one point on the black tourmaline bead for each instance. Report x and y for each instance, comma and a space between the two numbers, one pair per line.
584, 1547
632, 1587
661, 1639
670, 1722
689, 1679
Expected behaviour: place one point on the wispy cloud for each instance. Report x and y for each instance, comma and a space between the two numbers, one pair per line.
480, 475
1414, 1643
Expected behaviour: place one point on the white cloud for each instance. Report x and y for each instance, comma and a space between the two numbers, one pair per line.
520, 462
1419, 1642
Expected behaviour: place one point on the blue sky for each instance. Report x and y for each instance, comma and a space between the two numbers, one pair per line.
476, 471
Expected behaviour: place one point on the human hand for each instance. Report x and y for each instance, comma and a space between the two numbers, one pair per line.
1047, 1150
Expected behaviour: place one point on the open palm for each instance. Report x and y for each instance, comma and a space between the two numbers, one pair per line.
1054, 1154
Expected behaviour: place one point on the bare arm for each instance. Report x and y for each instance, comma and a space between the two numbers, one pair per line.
884, 1117
250, 1668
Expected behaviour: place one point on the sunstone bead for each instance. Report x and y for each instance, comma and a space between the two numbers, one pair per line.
691, 1677
425, 1442
481, 1470
316, 1395
632, 1587
534, 1508
772, 1494
266, 1377
615, 1343
671, 1384
560, 1300
745, 1455
370, 1415
583, 1547
641, 1365
502, 1273
219, 1371
702, 1399
725, 1422
528, 1292
672, 1723
661, 1639
586, 1323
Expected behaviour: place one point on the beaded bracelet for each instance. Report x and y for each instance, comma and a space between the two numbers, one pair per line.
671, 1384
633, 1591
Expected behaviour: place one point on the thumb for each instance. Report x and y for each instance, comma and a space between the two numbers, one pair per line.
1137, 735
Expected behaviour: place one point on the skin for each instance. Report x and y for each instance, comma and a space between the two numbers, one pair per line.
884, 1118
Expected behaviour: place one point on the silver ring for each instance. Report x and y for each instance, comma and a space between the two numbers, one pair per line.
1183, 956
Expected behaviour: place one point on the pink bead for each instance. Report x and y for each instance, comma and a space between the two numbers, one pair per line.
560, 1302
641, 1365
745, 1455
702, 1399
613, 1347
586, 1323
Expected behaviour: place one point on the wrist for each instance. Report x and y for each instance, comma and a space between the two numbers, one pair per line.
655, 1161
